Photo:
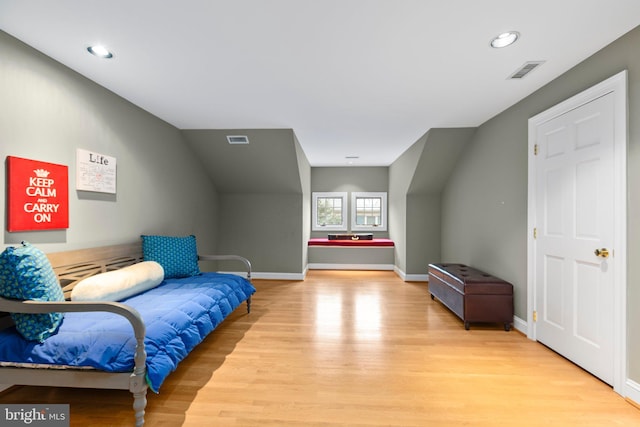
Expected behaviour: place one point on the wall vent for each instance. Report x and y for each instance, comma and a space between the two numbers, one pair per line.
237, 139
525, 69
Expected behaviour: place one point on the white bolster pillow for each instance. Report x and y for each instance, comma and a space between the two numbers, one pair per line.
119, 284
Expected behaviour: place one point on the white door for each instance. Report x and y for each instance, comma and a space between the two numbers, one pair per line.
575, 235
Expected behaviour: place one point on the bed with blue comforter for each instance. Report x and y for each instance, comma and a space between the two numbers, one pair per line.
132, 337
178, 314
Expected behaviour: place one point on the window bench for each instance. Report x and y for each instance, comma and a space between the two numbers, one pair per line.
333, 254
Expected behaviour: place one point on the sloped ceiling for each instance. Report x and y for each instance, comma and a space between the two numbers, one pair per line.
268, 164
441, 150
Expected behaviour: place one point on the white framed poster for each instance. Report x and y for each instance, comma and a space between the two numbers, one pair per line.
95, 172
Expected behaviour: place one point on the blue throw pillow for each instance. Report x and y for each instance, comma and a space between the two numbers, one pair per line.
178, 256
26, 274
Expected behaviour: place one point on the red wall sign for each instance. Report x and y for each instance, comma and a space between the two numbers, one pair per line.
38, 195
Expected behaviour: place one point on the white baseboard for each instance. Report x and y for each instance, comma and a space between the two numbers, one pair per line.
321, 266
416, 277
269, 275
411, 277
632, 391
520, 324
278, 276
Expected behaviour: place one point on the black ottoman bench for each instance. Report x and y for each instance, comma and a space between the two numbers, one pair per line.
474, 296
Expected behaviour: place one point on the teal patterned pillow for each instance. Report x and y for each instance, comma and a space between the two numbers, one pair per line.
177, 255
26, 274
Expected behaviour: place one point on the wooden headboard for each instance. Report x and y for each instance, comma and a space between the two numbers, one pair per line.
73, 266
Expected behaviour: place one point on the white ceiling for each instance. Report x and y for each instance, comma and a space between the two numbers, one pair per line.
360, 78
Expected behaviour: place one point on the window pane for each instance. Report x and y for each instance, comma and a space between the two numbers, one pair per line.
368, 210
329, 210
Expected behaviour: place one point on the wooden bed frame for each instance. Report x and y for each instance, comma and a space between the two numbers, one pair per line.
71, 267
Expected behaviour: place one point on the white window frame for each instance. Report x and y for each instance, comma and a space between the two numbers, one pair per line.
383, 213
314, 211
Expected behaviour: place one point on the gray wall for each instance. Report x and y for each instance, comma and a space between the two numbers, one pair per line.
485, 202
262, 188
423, 236
265, 228
416, 181
305, 181
48, 111
351, 179
400, 176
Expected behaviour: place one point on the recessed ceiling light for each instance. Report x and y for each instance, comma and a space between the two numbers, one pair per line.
101, 51
505, 39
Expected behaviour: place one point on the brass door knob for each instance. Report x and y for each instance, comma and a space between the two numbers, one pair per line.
602, 253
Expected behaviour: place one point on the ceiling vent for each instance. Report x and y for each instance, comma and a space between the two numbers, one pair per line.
237, 139
525, 69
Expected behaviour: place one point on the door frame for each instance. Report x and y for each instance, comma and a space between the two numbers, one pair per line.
617, 85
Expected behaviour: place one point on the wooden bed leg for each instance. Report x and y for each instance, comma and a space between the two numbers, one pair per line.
137, 381
139, 403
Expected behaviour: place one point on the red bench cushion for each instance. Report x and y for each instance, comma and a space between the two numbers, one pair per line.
351, 243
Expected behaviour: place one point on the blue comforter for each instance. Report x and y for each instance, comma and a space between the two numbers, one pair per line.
178, 314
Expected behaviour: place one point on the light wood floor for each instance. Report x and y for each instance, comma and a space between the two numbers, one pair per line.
357, 349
